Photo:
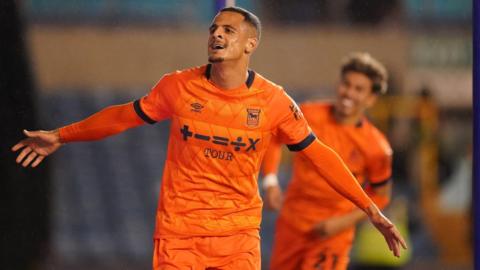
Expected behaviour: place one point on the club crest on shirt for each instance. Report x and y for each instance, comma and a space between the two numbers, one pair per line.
355, 156
253, 117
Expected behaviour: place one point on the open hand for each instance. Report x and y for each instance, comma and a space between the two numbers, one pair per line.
37, 146
387, 228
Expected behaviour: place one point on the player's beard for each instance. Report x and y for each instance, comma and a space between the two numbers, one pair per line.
212, 59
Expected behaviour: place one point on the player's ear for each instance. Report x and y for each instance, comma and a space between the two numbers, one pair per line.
252, 44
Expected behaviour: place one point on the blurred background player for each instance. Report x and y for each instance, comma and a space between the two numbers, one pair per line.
315, 228
209, 196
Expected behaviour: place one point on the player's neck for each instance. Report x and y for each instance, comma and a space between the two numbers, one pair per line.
228, 76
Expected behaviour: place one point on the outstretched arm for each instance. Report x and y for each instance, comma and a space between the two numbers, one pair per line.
380, 195
335, 172
37, 146
110, 121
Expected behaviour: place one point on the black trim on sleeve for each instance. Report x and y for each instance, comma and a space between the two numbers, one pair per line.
141, 114
303, 144
381, 183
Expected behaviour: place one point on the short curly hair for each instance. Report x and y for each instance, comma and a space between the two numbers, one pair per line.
364, 63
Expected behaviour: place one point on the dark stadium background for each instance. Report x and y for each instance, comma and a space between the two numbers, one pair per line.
92, 205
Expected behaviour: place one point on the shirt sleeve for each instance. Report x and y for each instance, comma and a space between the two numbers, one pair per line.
292, 128
158, 104
380, 167
109, 121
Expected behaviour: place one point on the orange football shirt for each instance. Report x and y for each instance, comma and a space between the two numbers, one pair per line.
217, 141
362, 147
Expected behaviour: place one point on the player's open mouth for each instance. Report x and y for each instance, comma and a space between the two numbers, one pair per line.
217, 47
347, 102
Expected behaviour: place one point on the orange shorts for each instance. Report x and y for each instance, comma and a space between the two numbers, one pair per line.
239, 251
295, 250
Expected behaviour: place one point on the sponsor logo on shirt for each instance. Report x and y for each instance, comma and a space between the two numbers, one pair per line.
296, 111
218, 154
248, 144
196, 107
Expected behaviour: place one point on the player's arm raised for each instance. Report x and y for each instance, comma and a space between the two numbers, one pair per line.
109, 121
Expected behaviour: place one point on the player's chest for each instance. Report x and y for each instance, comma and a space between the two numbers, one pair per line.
243, 113
235, 126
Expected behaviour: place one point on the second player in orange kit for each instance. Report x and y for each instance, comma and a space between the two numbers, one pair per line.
315, 229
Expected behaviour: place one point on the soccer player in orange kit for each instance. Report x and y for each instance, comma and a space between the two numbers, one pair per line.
315, 228
223, 116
